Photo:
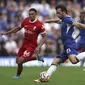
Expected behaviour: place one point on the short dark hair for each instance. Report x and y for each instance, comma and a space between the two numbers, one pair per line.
82, 12
32, 9
62, 7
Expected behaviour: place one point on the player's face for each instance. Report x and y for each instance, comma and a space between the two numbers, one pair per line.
82, 17
32, 15
59, 13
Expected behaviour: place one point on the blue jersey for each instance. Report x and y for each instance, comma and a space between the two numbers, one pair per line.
81, 41
67, 30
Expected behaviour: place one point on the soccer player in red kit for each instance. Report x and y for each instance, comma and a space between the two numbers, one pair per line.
33, 27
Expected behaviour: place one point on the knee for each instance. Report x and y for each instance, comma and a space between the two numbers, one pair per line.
20, 60
56, 61
74, 61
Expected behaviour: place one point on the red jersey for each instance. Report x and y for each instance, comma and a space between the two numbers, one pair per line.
32, 30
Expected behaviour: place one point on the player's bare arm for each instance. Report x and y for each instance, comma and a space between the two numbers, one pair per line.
16, 29
80, 25
44, 36
43, 39
53, 21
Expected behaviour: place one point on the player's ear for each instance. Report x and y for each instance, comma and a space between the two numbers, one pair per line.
36, 13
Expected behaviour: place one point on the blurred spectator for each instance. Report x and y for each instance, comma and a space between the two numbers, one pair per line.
11, 46
50, 49
12, 10
2, 6
77, 10
3, 21
3, 51
70, 8
44, 9
82, 3
52, 11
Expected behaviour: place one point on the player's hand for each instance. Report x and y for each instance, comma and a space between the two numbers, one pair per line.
47, 21
2, 33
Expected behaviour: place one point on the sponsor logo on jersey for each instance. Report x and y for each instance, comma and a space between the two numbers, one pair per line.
28, 31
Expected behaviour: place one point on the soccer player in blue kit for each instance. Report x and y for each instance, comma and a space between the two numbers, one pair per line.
70, 46
81, 41
81, 36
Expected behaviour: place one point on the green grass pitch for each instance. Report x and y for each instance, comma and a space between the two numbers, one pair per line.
63, 76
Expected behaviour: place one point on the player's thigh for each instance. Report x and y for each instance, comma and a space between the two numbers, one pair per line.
21, 60
73, 58
62, 57
72, 55
19, 55
20, 52
27, 54
71, 51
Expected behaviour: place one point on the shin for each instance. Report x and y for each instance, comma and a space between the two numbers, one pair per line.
53, 66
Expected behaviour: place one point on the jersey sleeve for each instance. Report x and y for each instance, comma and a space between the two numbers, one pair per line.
42, 29
23, 22
69, 20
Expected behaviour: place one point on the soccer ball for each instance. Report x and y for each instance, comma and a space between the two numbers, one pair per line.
44, 76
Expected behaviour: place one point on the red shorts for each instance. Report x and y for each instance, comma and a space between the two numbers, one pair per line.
26, 52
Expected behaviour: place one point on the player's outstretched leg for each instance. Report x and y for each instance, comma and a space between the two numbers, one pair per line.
51, 69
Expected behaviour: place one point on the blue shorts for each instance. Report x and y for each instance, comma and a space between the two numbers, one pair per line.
67, 51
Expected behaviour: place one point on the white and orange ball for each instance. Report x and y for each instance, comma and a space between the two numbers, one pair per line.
44, 76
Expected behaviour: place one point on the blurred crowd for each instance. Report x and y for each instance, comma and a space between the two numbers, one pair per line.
12, 12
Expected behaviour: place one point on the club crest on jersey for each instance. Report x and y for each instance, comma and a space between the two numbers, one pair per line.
42, 27
26, 26
34, 28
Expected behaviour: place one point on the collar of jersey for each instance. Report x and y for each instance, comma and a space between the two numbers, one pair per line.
33, 21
